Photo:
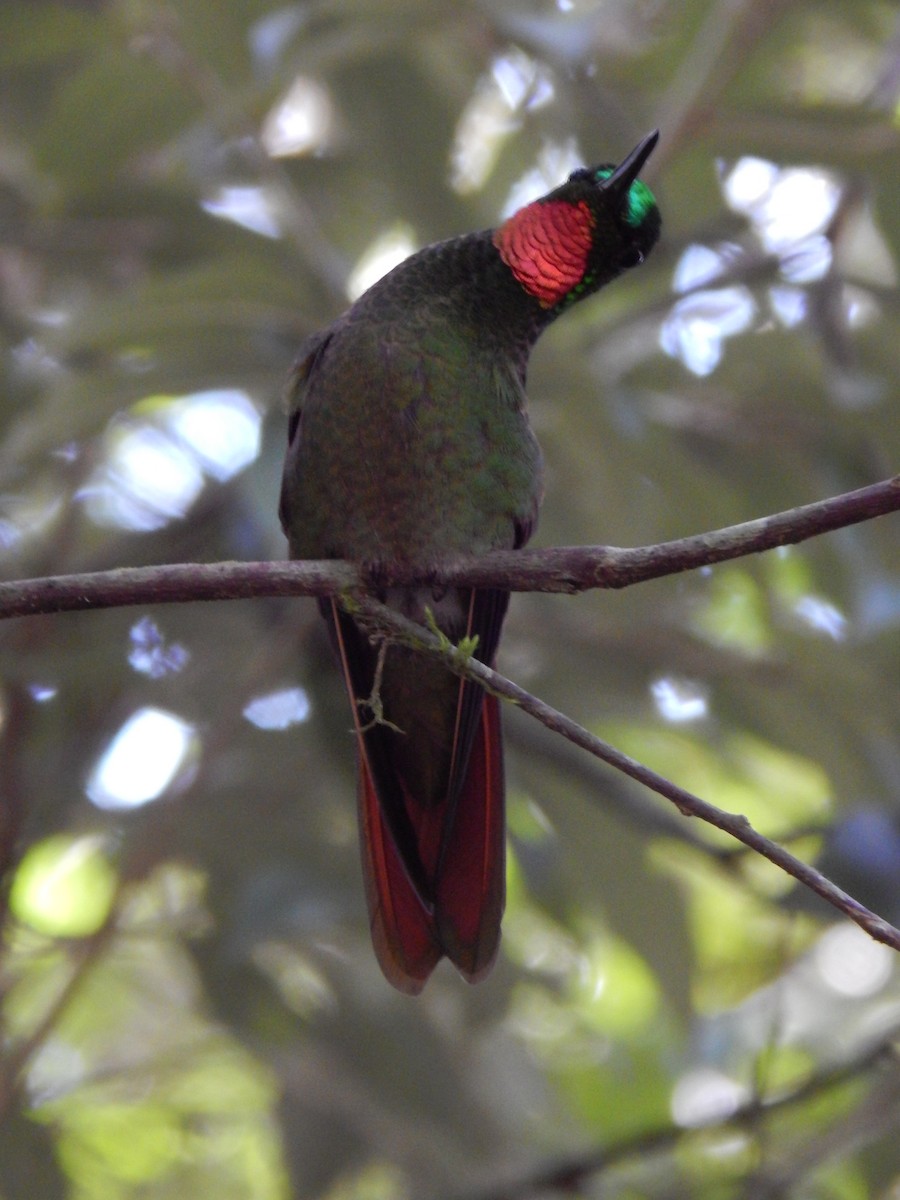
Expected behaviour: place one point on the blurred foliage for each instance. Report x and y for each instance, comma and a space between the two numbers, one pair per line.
190, 1004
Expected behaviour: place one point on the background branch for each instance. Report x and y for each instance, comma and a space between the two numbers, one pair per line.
570, 1174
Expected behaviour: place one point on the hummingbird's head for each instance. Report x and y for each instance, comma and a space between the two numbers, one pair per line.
600, 222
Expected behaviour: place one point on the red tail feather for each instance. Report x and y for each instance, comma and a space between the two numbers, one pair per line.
469, 887
471, 881
403, 931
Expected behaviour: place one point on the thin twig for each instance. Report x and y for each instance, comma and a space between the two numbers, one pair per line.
385, 622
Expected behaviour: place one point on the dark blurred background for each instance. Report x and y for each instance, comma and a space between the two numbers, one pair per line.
190, 1003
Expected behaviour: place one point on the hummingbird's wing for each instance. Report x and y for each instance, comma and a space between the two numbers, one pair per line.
470, 883
398, 892
304, 365
470, 880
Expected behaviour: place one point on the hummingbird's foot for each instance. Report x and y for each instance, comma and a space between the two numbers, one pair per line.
374, 702
376, 577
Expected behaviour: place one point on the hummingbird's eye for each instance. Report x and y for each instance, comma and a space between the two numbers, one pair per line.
582, 173
632, 257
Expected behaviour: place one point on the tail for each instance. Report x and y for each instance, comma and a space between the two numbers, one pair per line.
460, 915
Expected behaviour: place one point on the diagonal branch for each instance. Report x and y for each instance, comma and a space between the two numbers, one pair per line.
384, 622
564, 569
567, 1176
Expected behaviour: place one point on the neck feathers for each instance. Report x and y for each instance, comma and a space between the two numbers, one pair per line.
546, 246
466, 280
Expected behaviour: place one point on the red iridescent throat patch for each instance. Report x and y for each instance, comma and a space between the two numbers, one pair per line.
546, 246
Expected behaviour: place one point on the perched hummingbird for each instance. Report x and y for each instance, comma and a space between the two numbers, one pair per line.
409, 448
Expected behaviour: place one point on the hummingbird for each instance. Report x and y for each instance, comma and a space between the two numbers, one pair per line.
409, 449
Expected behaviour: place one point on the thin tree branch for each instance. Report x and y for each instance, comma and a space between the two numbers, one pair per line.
175, 583
565, 569
562, 570
384, 622
567, 1176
